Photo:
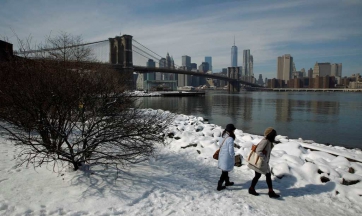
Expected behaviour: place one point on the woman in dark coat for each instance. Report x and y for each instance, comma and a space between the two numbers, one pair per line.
263, 150
226, 159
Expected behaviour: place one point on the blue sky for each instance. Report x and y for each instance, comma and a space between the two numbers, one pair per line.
310, 30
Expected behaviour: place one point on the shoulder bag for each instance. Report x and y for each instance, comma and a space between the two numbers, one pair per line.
253, 158
216, 154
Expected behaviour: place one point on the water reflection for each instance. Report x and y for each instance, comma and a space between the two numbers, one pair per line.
310, 116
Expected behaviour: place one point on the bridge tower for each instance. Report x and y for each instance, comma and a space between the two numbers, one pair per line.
6, 51
233, 86
120, 53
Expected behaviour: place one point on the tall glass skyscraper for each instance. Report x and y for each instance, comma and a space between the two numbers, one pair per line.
246, 63
208, 59
150, 64
234, 55
186, 61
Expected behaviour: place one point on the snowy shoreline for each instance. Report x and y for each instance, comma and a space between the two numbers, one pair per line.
182, 177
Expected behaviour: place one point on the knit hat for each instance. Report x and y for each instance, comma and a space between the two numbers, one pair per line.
230, 128
268, 131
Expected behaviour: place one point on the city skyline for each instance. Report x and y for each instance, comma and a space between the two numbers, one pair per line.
311, 31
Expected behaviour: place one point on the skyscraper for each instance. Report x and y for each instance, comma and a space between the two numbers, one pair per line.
161, 64
150, 64
251, 66
186, 61
234, 55
285, 67
324, 69
310, 73
204, 67
336, 69
193, 66
246, 63
185, 80
339, 70
208, 59
260, 80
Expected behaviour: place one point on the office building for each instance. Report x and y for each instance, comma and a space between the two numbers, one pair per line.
234, 55
310, 73
208, 59
251, 66
327, 69
322, 69
260, 80
303, 71
150, 64
246, 63
193, 66
161, 64
204, 67
186, 62
284, 67
336, 69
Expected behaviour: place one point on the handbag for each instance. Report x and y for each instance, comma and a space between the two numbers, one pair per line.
253, 158
216, 154
237, 161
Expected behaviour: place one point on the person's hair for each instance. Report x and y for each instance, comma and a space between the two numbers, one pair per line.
231, 134
271, 136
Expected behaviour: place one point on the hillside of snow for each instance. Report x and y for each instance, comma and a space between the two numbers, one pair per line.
182, 179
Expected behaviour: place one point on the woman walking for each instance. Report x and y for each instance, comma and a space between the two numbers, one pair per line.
226, 156
263, 150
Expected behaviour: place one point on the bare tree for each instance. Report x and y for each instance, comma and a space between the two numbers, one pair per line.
63, 107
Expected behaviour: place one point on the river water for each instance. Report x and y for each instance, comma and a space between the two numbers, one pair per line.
325, 117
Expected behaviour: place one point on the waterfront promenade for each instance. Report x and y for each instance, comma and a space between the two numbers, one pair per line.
304, 89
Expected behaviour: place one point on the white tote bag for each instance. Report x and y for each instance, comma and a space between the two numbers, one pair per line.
253, 158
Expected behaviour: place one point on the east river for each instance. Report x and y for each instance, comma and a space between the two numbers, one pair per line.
325, 117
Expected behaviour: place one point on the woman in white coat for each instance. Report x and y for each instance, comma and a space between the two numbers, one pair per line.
226, 159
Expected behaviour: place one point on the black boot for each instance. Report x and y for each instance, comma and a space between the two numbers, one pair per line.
228, 182
220, 186
272, 194
253, 192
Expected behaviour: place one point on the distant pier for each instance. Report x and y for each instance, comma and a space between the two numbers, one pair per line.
182, 94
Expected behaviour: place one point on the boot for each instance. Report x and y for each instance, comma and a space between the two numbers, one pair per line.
220, 186
228, 182
253, 192
272, 194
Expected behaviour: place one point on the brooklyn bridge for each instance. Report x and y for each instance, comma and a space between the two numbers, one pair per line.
127, 55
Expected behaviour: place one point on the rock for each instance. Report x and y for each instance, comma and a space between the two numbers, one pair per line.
324, 179
347, 182
170, 135
351, 170
190, 145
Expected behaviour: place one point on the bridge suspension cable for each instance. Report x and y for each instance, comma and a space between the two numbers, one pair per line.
147, 52
58, 48
149, 56
147, 48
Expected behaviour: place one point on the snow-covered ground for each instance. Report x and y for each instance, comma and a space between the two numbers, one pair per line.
144, 94
182, 181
